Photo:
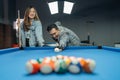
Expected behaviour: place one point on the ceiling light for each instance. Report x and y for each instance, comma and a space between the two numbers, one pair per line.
53, 6
68, 7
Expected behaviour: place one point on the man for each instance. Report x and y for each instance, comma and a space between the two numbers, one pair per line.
62, 35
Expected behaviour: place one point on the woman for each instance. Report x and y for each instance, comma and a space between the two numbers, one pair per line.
31, 29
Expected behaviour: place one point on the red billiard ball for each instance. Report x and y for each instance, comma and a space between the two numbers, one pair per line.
32, 66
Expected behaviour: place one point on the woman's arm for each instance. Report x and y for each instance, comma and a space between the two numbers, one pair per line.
39, 33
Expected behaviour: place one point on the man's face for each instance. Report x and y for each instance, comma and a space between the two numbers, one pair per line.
54, 33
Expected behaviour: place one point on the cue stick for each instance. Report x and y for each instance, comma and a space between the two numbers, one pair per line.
19, 30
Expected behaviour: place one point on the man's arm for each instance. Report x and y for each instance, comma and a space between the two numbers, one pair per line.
63, 40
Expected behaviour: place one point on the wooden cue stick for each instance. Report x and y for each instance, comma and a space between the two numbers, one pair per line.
19, 29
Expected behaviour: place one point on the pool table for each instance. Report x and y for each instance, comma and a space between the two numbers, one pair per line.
13, 60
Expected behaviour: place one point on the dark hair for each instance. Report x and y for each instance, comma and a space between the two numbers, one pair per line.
50, 27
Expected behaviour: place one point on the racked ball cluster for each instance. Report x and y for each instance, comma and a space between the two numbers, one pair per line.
60, 64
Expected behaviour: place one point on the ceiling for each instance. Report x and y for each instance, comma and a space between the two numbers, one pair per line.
80, 7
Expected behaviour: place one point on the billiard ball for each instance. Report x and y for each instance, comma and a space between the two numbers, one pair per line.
39, 60
84, 64
32, 66
67, 60
54, 58
60, 66
57, 50
91, 65
60, 56
65, 57
74, 67
72, 58
47, 66
47, 58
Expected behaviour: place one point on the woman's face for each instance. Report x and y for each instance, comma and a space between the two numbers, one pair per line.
32, 13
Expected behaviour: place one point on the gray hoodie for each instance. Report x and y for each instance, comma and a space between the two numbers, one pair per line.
67, 37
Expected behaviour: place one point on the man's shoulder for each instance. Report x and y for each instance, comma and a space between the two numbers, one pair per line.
63, 32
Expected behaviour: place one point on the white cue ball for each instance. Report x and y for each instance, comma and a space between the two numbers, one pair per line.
57, 50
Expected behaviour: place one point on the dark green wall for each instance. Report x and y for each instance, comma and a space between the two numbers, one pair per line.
1, 11
7, 7
12, 10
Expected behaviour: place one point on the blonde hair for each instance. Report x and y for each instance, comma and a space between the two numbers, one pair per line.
27, 22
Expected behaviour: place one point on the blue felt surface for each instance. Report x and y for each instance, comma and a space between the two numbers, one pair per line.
12, 64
